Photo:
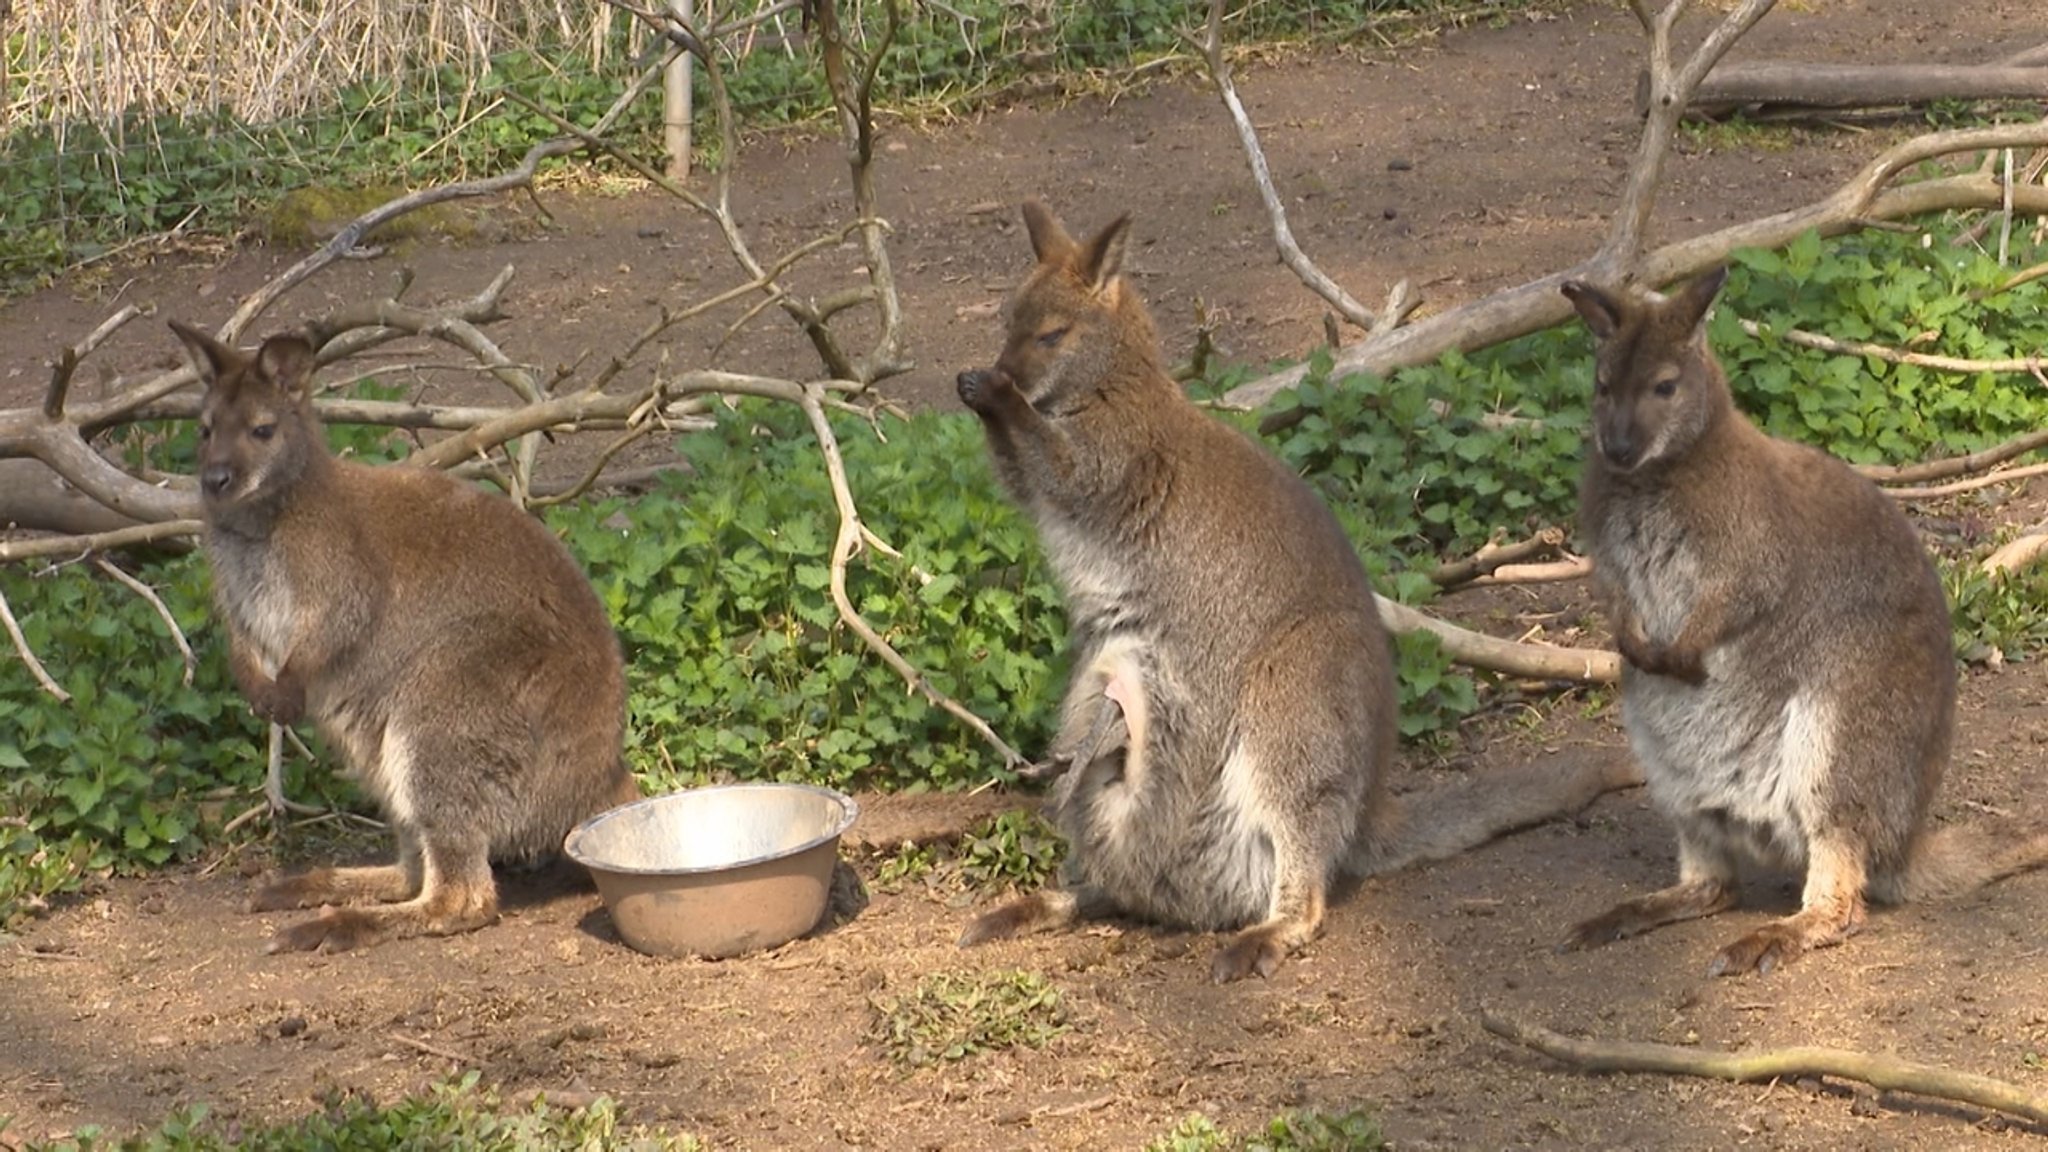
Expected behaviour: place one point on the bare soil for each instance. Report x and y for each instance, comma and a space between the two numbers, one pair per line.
1466, 164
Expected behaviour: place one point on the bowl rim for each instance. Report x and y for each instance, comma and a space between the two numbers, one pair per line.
849, 811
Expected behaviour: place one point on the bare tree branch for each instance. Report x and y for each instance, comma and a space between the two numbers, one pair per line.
1670, 91
1957, 465
1518, 311
1211, 48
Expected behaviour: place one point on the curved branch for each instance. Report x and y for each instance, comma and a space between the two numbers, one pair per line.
1883, 1072
851, 535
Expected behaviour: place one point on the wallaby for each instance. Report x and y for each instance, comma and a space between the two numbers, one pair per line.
1789, 682
1226, 736
445, 643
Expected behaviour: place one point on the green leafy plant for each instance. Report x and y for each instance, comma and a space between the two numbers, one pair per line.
1192, 1133
740, 667
1308, 1130
950, 1016
1015, 849
454, 1114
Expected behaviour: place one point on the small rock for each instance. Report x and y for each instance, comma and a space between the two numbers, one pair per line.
1399, 165
291, 1026
651, 233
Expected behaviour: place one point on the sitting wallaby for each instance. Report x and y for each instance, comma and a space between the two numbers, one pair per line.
1790, 683
1225, 740
445, 643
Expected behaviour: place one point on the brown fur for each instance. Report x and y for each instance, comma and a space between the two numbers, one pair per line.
1790, 683
444, 642
1224, 743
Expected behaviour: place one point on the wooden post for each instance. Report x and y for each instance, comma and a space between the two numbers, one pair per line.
675, 108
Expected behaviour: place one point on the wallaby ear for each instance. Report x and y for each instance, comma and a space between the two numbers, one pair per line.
287, 362
1689, 306
1049, 239
1103, 256
210, 358
1596, 308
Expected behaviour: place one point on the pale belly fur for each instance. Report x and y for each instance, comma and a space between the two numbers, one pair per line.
1755, 769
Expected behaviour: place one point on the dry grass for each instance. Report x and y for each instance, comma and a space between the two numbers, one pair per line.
89, 61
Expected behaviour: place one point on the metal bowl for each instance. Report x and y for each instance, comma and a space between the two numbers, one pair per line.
716, 872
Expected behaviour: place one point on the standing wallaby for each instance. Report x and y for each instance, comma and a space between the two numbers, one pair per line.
445, 643
1790, 682
1228, 730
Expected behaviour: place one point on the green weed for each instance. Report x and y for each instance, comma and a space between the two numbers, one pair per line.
456, 1114
950, 1016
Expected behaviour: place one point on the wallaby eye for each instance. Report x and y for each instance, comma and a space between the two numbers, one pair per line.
1600, 386
1051, 339
1666, 388
263, 431
205, 433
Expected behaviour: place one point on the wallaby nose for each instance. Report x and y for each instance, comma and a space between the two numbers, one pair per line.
1620, 450
215, 478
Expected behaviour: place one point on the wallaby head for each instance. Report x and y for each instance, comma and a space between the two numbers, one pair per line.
1656, 387
1071, 315
257, 432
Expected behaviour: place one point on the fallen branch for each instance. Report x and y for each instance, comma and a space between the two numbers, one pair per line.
1492, 556
11, 550
852, 535
1554, 572
1815, 340
1886, 1073
2015, 554
1817, 85
1957, 465
1957, 488
1508, 657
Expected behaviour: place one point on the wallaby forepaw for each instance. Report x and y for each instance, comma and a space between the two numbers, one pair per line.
1762, 951
333, 930
983, 388
1251, 954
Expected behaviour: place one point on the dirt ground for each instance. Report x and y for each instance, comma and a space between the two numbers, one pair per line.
1465, 164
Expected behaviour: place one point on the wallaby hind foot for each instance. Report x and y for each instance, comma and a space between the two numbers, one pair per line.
1830, 911
1260, 949
457, 894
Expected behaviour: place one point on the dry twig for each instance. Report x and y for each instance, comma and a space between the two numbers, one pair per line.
1883, 1072
1815, 340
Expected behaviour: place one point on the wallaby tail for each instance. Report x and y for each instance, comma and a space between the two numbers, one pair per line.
1443, 822
1952, 860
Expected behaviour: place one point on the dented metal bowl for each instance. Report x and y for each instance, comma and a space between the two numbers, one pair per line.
719, 871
